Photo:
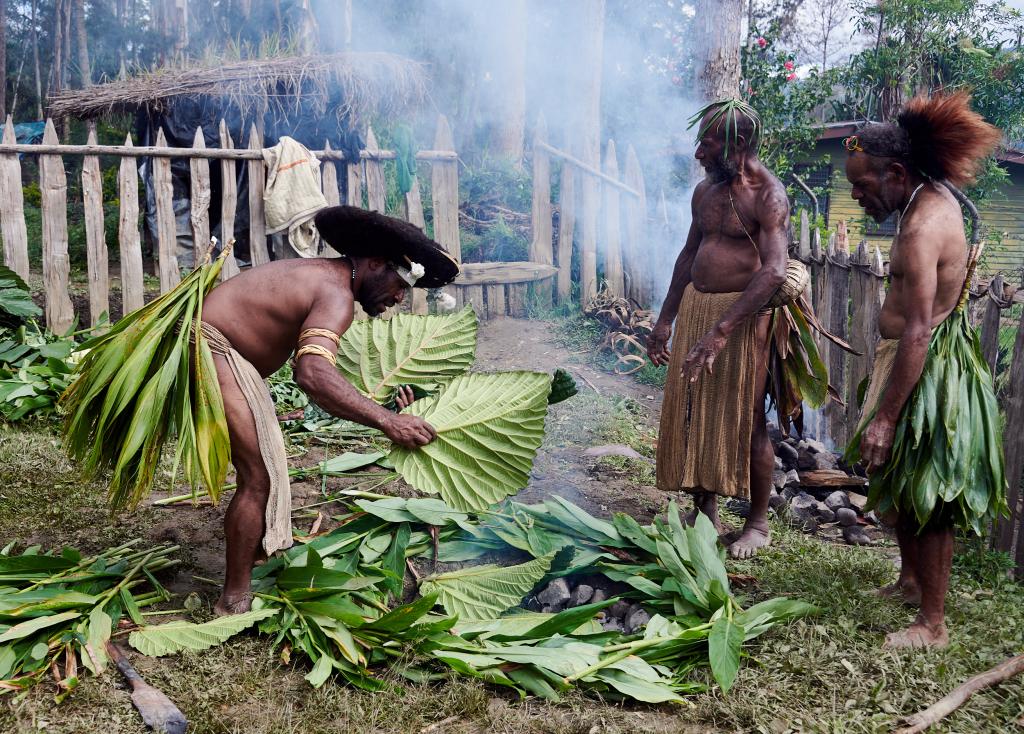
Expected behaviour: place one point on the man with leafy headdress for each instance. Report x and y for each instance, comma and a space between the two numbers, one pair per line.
242, 332
713, 438
929, 432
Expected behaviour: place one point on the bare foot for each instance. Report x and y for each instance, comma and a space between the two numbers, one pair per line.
750, 540
691, 517
228, 605
904, 591
918, 634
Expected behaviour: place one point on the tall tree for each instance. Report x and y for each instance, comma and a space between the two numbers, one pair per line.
716, 48
81, 39
506, 98
35, 59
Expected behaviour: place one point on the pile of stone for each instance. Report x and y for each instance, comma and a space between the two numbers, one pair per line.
816, 492
563, 593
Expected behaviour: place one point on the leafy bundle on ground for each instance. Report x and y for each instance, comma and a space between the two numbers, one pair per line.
59, 611
331, 600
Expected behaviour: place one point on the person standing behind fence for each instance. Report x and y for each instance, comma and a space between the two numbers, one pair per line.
926, 481
713, 439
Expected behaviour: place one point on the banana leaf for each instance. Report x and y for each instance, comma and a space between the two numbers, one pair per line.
148, 379
947, 455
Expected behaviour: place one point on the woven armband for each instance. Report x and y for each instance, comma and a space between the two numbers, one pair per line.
322, 333
316, 350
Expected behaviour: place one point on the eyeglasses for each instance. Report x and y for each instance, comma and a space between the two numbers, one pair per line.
852, 144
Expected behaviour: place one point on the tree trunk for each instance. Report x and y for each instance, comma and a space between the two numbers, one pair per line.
716, 48
3, 60
35, 60
83, 46
506, 104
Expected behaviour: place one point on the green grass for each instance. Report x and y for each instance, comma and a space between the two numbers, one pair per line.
827, 674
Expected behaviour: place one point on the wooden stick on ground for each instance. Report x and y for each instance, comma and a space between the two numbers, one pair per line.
959, 695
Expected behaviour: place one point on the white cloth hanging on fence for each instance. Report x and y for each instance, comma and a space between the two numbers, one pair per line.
293, 195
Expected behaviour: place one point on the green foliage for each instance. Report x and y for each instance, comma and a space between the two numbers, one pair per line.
489, 427
947, 453
135, 388
786, 104
56, 610
480, 593
173, 637
35, 370
377, 356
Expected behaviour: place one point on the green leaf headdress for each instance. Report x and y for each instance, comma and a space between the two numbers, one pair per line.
729, 110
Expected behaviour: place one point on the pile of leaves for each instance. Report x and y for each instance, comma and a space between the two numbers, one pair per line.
35, 365
627, 327
331, 600
58, 611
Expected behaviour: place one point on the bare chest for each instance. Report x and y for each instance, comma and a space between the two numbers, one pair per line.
717, 215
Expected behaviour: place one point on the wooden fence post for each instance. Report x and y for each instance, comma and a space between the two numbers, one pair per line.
229, 202
354, 183
541, 243
612, 225
376, 188
444, 177
990, 323
95, 238
199, 216
129, 242
166, 233
12, 208
589, 212
414, 213
60, 313
866, 295
329, 178
257, 218
637, 266
839, 284
1013, 451
566, 230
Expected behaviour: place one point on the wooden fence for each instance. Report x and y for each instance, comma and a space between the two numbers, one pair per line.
611, 213
847, 289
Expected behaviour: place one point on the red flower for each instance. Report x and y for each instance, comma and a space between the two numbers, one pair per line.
791, 77
762, 42
788, 65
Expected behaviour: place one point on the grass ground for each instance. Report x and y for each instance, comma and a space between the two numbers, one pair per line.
827, 674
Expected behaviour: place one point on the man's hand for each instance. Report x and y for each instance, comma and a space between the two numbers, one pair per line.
409, 431
876, 443
702, 357
404, 397
657, 344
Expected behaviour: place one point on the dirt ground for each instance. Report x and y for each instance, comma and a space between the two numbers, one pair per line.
826, 675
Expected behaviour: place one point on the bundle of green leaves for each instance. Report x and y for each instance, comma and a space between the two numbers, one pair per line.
34, 364
57, 611
328, 599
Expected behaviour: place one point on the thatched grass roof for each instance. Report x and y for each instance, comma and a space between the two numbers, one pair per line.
353, 85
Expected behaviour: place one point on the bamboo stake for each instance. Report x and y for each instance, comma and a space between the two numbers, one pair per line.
200, 194
129, 242
12, 209
96, 242
257, 218
166, 233
229, 203
53, 183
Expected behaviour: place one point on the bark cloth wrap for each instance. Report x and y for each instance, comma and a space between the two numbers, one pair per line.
704, 437
278, 514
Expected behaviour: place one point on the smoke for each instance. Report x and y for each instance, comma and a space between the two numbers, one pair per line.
495, 68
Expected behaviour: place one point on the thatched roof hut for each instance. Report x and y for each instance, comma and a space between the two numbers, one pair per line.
351, 86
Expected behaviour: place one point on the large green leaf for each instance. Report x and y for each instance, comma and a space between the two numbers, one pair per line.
376, 355
166, 639
15, 297
484, 592
489, 427
724, 645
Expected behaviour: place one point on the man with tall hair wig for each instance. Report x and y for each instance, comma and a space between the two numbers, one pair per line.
929, 433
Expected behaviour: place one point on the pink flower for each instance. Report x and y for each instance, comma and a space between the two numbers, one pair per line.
791, 77
762, 42
788, 65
